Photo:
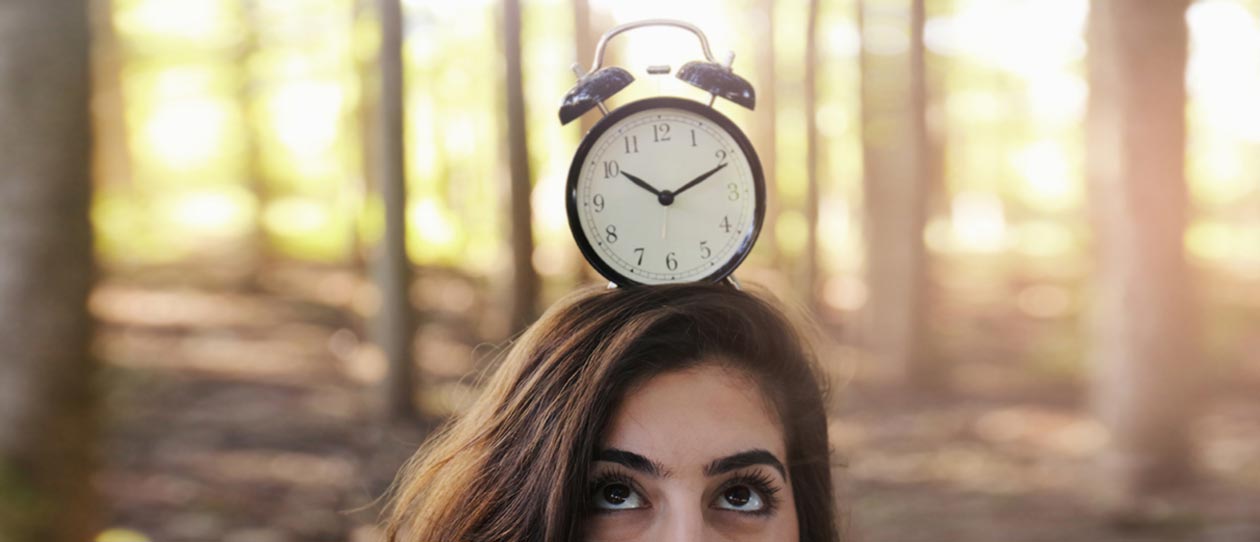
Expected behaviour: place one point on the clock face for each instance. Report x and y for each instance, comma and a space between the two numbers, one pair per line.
665, 190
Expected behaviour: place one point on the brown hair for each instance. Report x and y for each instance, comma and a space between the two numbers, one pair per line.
514, 467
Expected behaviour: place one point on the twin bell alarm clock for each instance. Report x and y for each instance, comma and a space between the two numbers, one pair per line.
664, 189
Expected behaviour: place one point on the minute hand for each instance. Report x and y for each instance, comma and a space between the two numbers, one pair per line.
699, 179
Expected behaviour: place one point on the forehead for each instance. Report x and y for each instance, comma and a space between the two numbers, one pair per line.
685, 419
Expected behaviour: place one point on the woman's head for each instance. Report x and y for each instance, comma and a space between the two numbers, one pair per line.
635, 414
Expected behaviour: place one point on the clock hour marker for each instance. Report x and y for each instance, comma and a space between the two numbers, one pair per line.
660, 132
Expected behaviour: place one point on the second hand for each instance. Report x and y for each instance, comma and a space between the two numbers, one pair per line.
665, 224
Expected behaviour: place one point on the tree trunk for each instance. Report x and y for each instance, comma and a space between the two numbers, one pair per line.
584, 48
896, 186
1145, 350
584, 37
395, 324
258, 245
765, 132
524, 278
112, 152
46, 273
365, 120
810, 281
251, 167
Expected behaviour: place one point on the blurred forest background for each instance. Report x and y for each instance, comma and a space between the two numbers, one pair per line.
251, 251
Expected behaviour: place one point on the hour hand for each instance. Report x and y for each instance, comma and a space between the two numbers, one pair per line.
642, 183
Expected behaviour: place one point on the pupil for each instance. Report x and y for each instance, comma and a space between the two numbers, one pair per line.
616, 493
738, 496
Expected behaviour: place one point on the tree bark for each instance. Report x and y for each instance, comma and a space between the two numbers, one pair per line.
112, 152
1145, 343
765, 125
525, 285
396, 322
584, 48
365, 116
896, 191
46, 273
251, 167
810, 282
584, 37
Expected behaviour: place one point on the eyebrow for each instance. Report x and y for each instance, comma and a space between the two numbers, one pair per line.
744, 459
723, 465
632, 461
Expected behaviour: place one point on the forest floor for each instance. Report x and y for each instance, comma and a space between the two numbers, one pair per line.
251, 417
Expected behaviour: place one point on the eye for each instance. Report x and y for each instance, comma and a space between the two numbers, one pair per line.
740, 498
616, 495
751, 493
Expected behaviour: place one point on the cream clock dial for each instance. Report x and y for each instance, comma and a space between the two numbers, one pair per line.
665, 190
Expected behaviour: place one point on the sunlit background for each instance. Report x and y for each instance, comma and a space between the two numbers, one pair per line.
232, 159
212, 102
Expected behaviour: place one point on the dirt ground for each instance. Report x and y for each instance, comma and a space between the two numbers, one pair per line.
250, 417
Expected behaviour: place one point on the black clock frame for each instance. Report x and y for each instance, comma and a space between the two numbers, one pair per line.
588, 141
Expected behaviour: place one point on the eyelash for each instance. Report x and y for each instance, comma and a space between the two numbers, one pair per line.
758, 481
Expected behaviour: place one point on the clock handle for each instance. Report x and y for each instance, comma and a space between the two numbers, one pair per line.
599, 83
603, 40
709, 75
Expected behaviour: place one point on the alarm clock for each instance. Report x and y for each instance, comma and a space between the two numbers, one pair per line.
664, 189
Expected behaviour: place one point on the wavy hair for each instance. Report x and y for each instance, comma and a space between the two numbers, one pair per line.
514, 467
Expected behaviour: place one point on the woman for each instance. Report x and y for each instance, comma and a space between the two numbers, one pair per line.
682, 412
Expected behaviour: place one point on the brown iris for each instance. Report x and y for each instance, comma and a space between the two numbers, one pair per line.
738, 495
616, 493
